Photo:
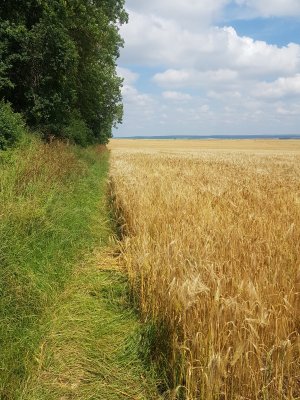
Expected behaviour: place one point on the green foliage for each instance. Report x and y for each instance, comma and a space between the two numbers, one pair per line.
50, 203
58, 58
12, 127
51, 91
78, 132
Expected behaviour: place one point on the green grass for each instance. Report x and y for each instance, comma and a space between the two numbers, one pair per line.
91, 350
52, 217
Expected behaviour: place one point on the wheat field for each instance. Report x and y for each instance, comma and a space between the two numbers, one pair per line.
211, 243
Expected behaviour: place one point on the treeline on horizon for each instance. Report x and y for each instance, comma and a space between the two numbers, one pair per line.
58, 69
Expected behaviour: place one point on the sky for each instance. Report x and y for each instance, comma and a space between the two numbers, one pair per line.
210, 67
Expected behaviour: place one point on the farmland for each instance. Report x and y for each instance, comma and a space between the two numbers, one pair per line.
211, 243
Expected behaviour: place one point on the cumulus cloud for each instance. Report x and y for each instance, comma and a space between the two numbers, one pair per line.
135, 101
176, 96
132, 95
284, 111
129, 77
282, 87
224, 95
202, 13
205, 13
204, 109
152, 40
193, 77
268, 8
213, 77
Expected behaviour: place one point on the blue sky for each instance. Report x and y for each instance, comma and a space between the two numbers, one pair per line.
204, 67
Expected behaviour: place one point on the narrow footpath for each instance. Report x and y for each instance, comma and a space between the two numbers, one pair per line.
91, 350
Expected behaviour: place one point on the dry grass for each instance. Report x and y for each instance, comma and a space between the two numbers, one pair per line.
212, 247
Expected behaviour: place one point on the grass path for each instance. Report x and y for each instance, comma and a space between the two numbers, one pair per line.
67, 329
91, 350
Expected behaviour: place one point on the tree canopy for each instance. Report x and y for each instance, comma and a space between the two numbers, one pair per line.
58, 65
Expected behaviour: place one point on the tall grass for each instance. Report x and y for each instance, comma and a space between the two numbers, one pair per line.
212, 247
49, 205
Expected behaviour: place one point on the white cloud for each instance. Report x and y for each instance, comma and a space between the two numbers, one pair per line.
193, 78
267, 8
132, 95
156, 41
176, 96
287, 111
191, 12
258, 57
129, 76
204, 109
135, 102
284, 86
224, 95
173, 78
209, 74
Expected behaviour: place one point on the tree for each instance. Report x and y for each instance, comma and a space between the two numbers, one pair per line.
58, 64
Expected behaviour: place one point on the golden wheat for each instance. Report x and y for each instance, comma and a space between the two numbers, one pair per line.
212, 248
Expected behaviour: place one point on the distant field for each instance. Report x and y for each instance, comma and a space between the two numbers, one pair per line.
212, 247
184, 146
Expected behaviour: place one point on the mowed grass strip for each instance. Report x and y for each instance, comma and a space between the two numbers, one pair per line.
212, 248
91, 350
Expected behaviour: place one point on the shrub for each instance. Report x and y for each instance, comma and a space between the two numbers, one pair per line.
78, 132
12, 127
